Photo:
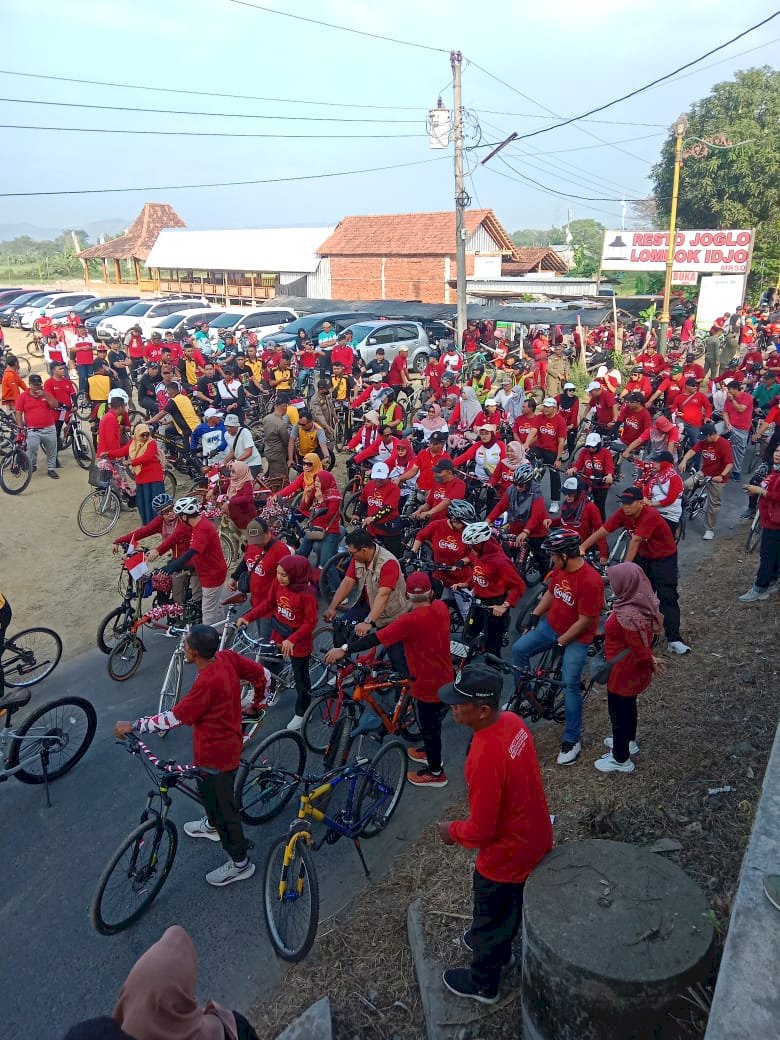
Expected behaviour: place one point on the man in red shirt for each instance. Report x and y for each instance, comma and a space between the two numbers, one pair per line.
525, 423
717, 465
566, 616
637, 382
424, 463
688, 330
508, 822
213, 709
63, 390
633, 420
83, 351
650, 359
448, 488
37, 410
546, 443
205, 556
343, 353
604, 406
597, 468
398, 376
654, 549
496, 586
445, 537
738, 417
693, 408
378, 508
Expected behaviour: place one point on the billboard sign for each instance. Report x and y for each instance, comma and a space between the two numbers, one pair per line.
711, 251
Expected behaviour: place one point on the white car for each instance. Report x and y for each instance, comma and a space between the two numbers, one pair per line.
28, 316
261, 320
144, 313
183, 321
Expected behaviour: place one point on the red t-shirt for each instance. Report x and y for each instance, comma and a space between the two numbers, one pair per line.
342, 355
633, 673
378, 496
38, 413
604, 403
209, 563
522, 427
448, 548
261, 565
548, 431
595, 464
740, 420
651, 362
397, 368
748, 334
85, 353
428, 659
715, 457
657, 539
425, 461
693, 408
501, 477
633, 424
575, 593
62, 390
693, 371
453, 489
642, 386
293, 616
493, 575
508, 821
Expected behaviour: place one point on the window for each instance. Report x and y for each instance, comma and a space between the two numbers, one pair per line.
383, 336
405, 332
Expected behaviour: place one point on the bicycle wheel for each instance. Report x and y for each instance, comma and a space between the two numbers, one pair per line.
99, 512
319, 672
409, 726
70, 721
24, 366
30, 655
83, 406
229, 549
170, 691
320, 718
682, 524
331, 576
170, 481
292, 915
34, 347
349, 509
263, 786
379, 792
124, 659
753, 536
134, 876
82, 447
15, 471
336, 754
112, 628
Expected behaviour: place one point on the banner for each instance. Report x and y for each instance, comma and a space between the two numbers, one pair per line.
712, 251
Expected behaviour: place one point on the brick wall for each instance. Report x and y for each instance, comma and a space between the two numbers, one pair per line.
405, 278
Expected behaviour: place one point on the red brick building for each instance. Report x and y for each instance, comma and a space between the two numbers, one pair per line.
410, 256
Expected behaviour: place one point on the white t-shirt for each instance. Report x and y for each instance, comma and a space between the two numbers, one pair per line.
238, 444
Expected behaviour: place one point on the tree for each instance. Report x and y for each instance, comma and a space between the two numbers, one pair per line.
735, 187
530, 237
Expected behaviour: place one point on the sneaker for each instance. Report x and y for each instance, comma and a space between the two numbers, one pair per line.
417, 755
425, 778
609, 764
554, 508
753, 595
569, 753
708, 535
252, 714
53, 474
230, 872
772, 588
511, 963
201, 829
295, 723
633, 747
747, 515
678, 647
459, 982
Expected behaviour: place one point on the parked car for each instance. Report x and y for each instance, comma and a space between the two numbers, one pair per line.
10, 294
312, 325
120, 307
263, 321
392, 335
89, 308
439, 331
183, 321
27, 317
143, 313
23, 299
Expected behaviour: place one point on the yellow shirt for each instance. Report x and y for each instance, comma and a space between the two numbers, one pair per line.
340, 387
256, 368
308, 440
99, 387
283, 379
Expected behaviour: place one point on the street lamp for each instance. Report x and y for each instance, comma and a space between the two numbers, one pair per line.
680, 127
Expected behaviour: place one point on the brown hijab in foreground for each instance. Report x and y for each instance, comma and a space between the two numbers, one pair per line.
157, 1001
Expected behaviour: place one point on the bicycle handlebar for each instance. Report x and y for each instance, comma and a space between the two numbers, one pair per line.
135, 746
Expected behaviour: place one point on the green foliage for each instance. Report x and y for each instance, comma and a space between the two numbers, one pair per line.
648, 314
586, 238
24, 257
535, 237
585, 265
737, 187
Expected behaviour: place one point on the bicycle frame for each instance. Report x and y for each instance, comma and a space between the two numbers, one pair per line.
8, 735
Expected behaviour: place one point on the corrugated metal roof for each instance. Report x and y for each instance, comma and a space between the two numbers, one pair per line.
244, 249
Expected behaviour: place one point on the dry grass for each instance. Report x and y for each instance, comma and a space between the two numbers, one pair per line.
708, 723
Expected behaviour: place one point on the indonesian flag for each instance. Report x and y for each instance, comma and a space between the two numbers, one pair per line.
136, 565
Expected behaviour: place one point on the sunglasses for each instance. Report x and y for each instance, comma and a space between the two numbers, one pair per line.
143, 436
307, 464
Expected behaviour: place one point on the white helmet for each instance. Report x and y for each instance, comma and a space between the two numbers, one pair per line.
593, 440
187, 506
476, 534
118, 393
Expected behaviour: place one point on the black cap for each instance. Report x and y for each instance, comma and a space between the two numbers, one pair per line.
691, 380
631, 494
444, 464
736, 384
476, 684
35, 380
664, 456
769, 374
440, 437
708, 429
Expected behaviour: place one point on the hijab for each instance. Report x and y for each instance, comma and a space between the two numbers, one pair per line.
157, 1000
435, 423
635, 604
521, 500
515, 454
470, 408
328, 485
310, 472
137, 446
514, 407
239, 475
298, 570
571, 512
404, 452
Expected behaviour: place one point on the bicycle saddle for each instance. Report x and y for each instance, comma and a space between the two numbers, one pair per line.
15, 699
237, 597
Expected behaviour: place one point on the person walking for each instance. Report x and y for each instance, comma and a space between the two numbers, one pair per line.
143, 456
37, 412
738, 419
276, 438
213, 709
716, 467
261, 556
629, 633
205, 556
768, 494
508, 823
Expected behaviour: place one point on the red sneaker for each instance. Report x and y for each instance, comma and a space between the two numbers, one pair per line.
417, 755
425, 778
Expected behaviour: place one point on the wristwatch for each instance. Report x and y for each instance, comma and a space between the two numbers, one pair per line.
344, 647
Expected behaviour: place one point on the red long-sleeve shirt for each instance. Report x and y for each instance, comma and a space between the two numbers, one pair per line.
295, 614
425, 634
769, 504
534, 525
177, 541
448, 548
493, 575
633, 674
110, 437
380, 497
261, 566
373, 449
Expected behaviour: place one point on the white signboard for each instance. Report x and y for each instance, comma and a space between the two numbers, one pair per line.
714, 252
718, 294
487, 266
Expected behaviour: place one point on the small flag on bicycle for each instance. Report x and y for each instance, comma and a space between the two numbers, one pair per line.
136, 565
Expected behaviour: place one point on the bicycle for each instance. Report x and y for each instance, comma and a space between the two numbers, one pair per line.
34, 345
99, 511
754, 534
693, 503
280, 667
55, 736
73, 436
126, 654
16, 466
290, 887
539, 694
29, 656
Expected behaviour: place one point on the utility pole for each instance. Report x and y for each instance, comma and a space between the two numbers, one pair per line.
462, 200
679, 133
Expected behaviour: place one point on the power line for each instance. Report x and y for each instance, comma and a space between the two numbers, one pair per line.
589, 147
536, 115
541, 189
220, 184
189, 112
341, 28
566, 194
207, 133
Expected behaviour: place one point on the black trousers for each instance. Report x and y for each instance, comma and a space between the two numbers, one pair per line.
498, 914
549, 457
600, 498
244, 1029
395, 652
494, 628
622, 715
769, 566
672, 525
663, 578
300, 667
219, 801
5, 620
431, 715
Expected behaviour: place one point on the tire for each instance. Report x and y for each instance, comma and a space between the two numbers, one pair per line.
385, 779
73, 720
682, 524
336, 754
349, 509
82, 447
114, 626
319, 720
83, 406
24, 366
40, 650
134, 870
753, 536
170, 692
124, 659
319, 672
170, 481
15, 472
34, 347
229, 549
99, 513
261, 790
409, 724
331, 576
291, 922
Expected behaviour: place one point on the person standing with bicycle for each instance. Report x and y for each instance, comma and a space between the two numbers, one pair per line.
546, 443
205, 556
213, 709
496, 585
717, 464
566, 616
37, 410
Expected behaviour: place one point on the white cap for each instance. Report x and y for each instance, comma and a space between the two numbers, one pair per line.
569, 386
592, 440
491, 400
380, 471
601, 371
377, 377
594, 386
372, 416
212, 413
549, 402
117, 393
403, 350
232, 420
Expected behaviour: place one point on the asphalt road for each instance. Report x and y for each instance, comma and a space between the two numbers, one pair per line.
56, 969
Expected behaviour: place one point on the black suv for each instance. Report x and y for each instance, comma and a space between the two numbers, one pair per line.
312, 325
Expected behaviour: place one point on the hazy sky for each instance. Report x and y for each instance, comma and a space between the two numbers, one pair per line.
564, 57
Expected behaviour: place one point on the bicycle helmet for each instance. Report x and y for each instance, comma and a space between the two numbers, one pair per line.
523, 474
120, 394
563, 541
476, 534
161, 502
462, 511
593, 440
572, 486
189, 506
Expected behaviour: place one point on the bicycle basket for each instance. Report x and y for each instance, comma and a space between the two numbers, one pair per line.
99, 477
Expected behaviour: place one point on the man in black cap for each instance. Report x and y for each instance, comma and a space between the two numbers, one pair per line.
653, 548
508, 822
37, 411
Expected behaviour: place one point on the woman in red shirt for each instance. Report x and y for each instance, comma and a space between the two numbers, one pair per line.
145, 463
501, 477
629, 633
579, 513
239, 502
262, 554
324, 531
378, 508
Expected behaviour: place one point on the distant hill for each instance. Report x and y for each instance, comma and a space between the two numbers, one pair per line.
94, 228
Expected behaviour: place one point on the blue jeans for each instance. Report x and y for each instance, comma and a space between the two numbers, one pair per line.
539, 639
323, 549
